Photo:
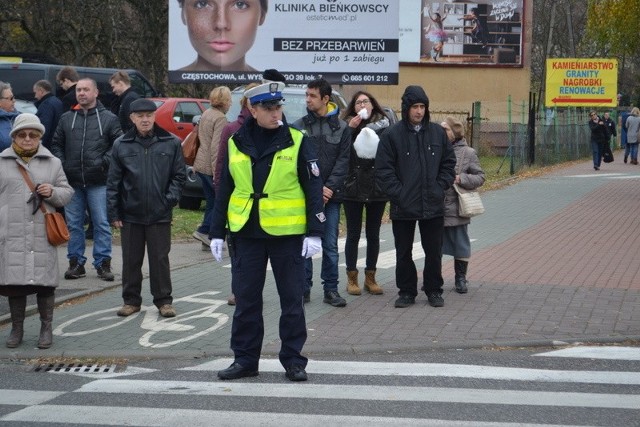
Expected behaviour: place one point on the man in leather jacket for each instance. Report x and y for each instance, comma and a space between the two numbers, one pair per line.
146, 177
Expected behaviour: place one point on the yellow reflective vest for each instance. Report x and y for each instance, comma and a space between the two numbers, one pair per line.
281, 205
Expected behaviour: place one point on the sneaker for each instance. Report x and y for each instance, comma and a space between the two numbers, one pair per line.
307, 297
435, 299
128, 310
75, 270
296, 373
405, 301
333, 298
104, 270
202, 237
167, 310
231, 300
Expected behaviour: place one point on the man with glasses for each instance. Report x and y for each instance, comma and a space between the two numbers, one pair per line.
7, 114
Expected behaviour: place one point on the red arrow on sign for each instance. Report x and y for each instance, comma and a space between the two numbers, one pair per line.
582, 100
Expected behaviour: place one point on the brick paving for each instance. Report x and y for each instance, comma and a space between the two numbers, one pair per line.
555, 258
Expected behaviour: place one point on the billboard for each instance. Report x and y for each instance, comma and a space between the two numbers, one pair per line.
462, 33
224, 41
576, 82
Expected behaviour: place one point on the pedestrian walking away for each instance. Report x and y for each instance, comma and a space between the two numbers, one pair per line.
146, 177
469, 175
633, 129
414, 167
270, 196
30, 261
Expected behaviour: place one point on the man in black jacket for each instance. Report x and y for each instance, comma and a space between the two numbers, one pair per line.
415, 165
146, 177
82, 141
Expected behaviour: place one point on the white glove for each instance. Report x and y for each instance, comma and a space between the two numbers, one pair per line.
216, 249
311, 246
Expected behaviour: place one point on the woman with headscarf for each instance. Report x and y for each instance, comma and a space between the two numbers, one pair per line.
28, 263
469, 175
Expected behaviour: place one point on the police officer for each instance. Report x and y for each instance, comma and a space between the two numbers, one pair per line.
270, 196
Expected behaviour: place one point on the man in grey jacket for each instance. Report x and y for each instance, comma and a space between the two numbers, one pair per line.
415, 166
331, 138
83, 141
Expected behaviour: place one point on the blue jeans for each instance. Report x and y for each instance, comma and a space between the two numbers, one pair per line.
210, 197
95, 200
329, 272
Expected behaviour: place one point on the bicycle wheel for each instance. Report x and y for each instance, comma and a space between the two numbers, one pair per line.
93, 322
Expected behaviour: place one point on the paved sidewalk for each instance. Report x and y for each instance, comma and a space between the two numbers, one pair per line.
555, 258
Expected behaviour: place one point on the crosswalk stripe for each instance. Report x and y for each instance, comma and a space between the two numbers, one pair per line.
26, 397
440, 370
148, 417
355, 392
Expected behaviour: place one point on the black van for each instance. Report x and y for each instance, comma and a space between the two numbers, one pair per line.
22, 76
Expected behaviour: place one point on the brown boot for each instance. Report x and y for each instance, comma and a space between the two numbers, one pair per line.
352, 284
370, 284
45, 307
17, 306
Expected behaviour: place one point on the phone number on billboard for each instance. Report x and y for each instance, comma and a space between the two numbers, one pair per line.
365, 78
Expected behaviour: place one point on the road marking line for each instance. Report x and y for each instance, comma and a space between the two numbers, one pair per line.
610, 353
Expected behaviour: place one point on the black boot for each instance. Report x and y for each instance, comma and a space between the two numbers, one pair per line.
17, 306
104, 270
461, 275
45, 307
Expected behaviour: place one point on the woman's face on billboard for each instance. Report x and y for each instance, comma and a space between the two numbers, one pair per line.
222, 31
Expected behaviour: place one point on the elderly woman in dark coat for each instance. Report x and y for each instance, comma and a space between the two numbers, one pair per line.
28, 263
469, 175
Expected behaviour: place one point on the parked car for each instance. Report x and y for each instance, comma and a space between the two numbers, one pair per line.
22, 76
25, 106
176, 115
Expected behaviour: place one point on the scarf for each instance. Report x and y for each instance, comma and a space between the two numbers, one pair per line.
25, 155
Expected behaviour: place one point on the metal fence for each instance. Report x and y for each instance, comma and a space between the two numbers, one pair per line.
511, 137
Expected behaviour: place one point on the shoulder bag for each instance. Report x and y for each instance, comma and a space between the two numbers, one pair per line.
190, 146
469, 201
57, 231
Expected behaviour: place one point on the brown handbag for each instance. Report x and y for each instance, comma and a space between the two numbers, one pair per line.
190, 146
57, 231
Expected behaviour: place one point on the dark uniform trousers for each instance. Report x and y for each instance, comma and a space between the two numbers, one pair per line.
431, 231
157, 238
249, 268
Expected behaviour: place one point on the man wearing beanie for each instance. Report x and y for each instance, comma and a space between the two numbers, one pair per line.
415, 166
